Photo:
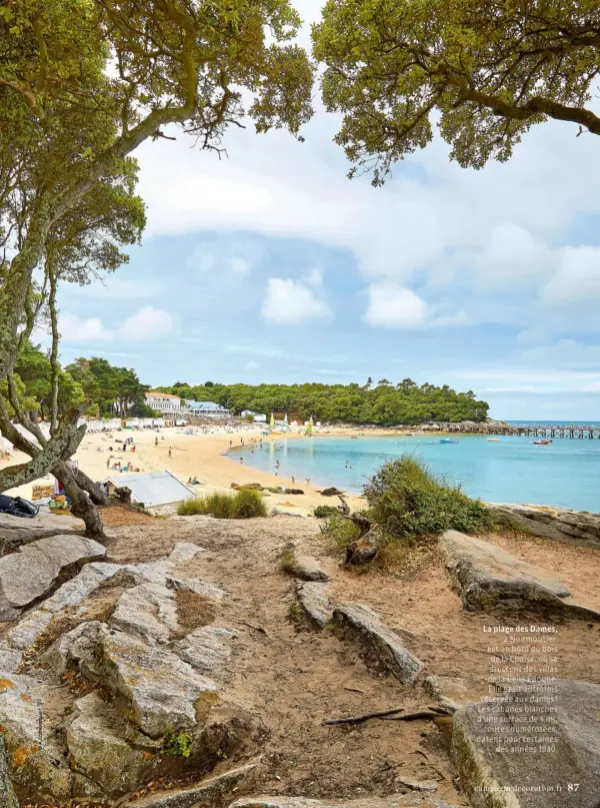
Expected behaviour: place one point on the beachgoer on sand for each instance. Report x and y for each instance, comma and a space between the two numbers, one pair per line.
170, 452
241, 460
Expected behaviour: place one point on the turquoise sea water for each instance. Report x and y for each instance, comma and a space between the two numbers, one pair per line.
567, 472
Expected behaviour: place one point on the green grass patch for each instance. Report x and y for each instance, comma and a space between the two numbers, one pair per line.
341, 531
324, 511
406, 499
239, 505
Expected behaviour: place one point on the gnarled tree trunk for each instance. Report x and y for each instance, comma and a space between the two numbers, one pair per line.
81, 505
366, 547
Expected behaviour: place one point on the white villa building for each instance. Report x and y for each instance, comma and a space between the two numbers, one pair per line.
164, 402
206, 409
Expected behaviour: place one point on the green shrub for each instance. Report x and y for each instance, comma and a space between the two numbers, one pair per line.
179, 744
406, 499
241, 505
247, 504
323, 511
341, 531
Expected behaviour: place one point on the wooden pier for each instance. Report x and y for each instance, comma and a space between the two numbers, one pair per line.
528, 431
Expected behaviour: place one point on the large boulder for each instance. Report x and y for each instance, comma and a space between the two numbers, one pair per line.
314, 602
16, 530
380, 640
207, 649
302, 566
510, 770
487, 577
36, 622
165, 694
560, 524
148, 611
98, 750
74, 646
30, 573
204, 793
34, 758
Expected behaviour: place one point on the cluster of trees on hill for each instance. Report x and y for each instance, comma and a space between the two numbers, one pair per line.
100, 389
93, 386
110, 390
384, 403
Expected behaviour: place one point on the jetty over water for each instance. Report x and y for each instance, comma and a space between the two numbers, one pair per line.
528, 430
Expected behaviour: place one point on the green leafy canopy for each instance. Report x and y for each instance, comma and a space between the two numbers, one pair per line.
485, 70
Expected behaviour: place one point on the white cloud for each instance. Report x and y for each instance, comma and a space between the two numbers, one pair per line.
577, 279
394, 306
534, 336
255, 350
288, 302
525, 388
568, 353
239, 259
147, 323
511, 254
252, 365
74, 329
313, 277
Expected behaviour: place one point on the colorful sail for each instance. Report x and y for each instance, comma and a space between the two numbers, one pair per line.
272, 421
309, 426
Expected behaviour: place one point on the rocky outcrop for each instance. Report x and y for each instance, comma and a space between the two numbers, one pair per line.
148, 611
454, 692
560, 524
164, 693
207, 649
35, 760
488, 578
380, 640
204, 793
314, 602
306, 567
98, 750
73, 647
30, 629
510, 774
30, 573
396, 801
15, 530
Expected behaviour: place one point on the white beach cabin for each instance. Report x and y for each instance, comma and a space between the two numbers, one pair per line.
157, 491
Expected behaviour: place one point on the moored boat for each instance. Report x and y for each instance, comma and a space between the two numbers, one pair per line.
541, 442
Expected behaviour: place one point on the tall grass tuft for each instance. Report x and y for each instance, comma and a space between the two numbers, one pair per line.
241, 505
407, 499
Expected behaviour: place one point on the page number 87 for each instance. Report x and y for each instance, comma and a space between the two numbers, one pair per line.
572, 786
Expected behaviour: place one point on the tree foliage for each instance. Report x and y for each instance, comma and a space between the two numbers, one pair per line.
84, 82
386, 404
110, 390
488, 70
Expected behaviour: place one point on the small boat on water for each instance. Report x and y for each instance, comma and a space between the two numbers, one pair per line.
541, 442
448, 440
493, 440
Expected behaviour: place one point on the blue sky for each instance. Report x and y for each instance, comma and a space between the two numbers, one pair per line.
270, 265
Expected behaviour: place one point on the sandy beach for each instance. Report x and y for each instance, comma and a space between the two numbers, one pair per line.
202, 455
